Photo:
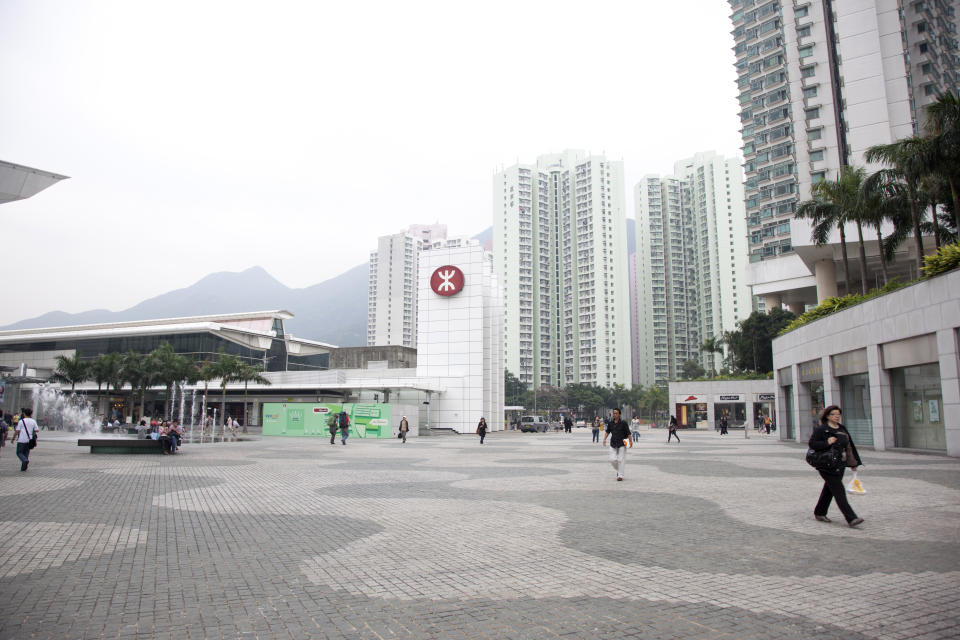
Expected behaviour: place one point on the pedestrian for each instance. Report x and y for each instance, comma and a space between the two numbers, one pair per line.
635, 428
344, 427
482, 429
723, 426
830, 433
673, 430
767, 423
3, 430
26, 431
567, 424
404, 428
332, 426
234, 427
596, 428
620, 439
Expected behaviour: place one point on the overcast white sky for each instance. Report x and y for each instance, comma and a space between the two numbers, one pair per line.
207, 136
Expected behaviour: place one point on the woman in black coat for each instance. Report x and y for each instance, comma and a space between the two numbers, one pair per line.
831, 433
482, 429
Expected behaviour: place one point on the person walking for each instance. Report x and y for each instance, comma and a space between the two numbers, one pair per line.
673, 430
567, 424
482, 429
635, 428
723, 426
596, 429
3, 430
619, 432
830, 433
404, 428
344, 427
26, 431
332, 426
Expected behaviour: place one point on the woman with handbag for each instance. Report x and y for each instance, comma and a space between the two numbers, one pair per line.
830, 433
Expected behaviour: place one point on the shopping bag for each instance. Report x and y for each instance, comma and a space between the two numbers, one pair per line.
855, 486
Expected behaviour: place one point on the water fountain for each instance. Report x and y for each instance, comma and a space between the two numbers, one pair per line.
59, 409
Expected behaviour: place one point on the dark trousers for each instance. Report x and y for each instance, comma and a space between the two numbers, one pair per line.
673, 433
23, 452
596, 435
833, 489
333, 437
483, 434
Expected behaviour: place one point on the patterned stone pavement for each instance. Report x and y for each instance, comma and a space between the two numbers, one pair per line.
527, 536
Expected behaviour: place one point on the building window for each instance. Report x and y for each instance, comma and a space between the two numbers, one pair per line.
818, 176
802, 12
810, 92
808, 72
815, 134
805, 51
816, 156
813, 112
803, 32
929, 89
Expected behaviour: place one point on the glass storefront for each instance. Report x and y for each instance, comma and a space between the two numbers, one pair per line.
918, 407
735, 412
855, 404
815, 389
790, 427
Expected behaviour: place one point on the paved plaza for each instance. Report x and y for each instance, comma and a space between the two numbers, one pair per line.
526, 536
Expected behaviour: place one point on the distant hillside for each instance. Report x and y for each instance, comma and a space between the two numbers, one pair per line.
333, 311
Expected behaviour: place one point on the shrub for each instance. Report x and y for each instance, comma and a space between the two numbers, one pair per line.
832, 305
945, 259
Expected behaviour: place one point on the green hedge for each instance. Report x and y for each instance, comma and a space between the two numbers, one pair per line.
832, 305
945, 259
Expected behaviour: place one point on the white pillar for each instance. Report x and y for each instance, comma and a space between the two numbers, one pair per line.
826, 274
950, 388
772, 301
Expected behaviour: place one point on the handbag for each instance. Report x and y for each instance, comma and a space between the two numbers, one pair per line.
827, 460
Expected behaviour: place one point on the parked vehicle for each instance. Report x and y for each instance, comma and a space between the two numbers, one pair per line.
538, 424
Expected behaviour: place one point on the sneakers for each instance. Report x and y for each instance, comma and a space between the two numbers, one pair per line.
822, 518
855, 522
620, 479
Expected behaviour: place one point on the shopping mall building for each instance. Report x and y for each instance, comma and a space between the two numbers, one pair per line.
454, 377
890, 363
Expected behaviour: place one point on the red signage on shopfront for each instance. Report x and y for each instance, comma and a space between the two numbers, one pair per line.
446, 280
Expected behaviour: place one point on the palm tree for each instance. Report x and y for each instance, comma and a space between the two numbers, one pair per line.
834, 203
105, 369
71, 369
884, 198
140, 371
227, 369
171, 368
906, 158
250, 373
943, 132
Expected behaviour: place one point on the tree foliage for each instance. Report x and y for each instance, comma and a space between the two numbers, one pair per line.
751, 343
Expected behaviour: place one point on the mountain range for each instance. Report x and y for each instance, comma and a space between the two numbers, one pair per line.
332, 311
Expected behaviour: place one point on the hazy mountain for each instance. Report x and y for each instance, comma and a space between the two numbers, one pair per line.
333, 311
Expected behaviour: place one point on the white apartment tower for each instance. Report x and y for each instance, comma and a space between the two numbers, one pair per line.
392, 288
560, 249
820, 82
691, 256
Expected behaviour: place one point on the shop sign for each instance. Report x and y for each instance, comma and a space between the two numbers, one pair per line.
766, 397
685, 399
729, 397
447, 280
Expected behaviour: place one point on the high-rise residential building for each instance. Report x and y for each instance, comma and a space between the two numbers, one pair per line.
691, 255
820, 82
560, 250
392, 285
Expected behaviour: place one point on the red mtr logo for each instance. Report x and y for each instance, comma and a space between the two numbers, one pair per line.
446, 280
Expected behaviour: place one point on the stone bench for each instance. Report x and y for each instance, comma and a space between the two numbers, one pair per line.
121, 445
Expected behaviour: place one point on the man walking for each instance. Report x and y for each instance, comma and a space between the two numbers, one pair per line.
26, 430
619, 432
332, 426
344, 427
404, 428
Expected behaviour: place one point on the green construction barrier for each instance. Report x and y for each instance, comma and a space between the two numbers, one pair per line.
367, 420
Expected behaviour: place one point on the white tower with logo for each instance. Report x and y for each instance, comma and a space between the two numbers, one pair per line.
460, 337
